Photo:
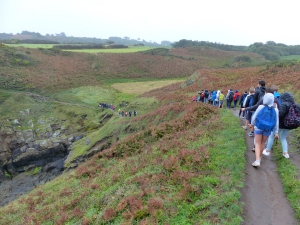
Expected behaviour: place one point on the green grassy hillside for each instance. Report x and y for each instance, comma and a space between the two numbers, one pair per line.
174, 163
169, 172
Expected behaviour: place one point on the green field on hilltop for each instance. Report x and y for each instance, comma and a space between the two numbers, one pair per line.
31, 45
290, 57
118, 50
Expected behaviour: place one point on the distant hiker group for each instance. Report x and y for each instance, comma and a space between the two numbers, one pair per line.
215, 97
268, 114
121, 112
126, 113
105, 105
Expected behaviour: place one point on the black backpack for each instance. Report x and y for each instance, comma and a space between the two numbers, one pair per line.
249, 101
230, 97
292, 119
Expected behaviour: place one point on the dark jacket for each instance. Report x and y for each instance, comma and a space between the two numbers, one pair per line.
230, 96
254, 107
259, 93
206, 94
287, 99
247, 104
243, 98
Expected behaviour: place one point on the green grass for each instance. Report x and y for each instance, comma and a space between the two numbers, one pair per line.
290, 178
120, 50
143, 87
75, 115
80, 147
34, 171
3, 96
90, 95
75, 102
290, 57
31, 45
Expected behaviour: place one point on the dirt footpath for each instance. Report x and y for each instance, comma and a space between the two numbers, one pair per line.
265, 201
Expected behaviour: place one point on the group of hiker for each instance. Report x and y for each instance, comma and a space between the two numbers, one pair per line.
121, 112
217, 98
268, 114
126, 113
105, 105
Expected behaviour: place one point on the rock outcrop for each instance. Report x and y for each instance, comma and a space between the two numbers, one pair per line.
31, 157
34, 151
39, 145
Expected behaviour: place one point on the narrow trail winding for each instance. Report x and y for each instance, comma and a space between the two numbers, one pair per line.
265, 201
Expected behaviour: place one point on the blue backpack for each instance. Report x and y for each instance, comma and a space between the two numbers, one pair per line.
277, 95
250, 100
266, 119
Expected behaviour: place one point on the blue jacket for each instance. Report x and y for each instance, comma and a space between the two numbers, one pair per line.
214, 95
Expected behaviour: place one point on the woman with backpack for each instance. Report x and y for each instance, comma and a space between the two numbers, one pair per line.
229, 98
236, 98
287, 100
221, 99
265, 120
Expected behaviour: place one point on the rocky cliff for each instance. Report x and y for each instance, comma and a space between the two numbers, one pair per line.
34, 151
25, 150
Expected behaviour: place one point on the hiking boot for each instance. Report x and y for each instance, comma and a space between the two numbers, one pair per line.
286, 155
251, 134
256, 163
244, 127
266, 152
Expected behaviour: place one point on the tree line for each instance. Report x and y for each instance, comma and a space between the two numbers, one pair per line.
189, 43
270, 50
62, 38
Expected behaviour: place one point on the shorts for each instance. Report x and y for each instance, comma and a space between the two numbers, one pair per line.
249, 115
263, 132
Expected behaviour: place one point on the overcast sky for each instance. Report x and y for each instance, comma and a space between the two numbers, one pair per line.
235, 22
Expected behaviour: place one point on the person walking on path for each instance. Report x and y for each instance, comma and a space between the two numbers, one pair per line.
221, 99
206, 95
254, 107
287, 100
214, 98
229, 98
264, 123
236, 98
260, 91
249, 103
242, 101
